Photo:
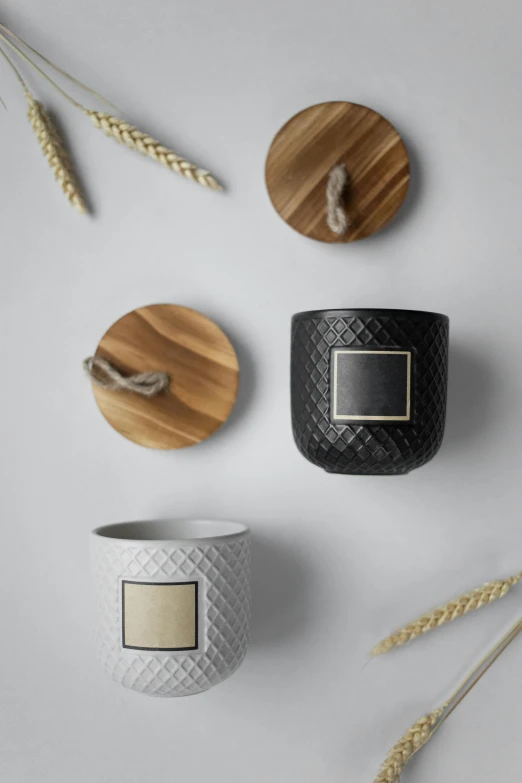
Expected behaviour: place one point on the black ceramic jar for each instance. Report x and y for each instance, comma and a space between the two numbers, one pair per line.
369, 388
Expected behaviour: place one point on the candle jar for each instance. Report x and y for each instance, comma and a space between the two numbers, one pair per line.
173, 603
369, 388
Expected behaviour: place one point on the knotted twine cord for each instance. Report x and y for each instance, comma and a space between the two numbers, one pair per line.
102, 372
336, 216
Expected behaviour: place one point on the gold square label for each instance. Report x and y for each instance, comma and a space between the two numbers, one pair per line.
159, 616
370, 385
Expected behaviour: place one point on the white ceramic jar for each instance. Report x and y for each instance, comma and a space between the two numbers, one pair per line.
173, 603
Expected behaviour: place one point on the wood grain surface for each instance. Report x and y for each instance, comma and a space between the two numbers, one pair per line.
311, 143
203, 370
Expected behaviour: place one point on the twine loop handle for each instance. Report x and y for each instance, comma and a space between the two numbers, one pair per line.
104, 374
336, 216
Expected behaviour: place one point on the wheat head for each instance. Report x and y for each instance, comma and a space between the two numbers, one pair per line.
130, 136
403, 750
55, 151
468, 602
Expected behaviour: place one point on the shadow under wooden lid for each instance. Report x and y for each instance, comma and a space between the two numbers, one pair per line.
315, 140
200, 361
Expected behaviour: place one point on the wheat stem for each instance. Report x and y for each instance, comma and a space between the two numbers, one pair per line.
480, 669
37, 68
16, 72
463, 604
14, 68
56, 67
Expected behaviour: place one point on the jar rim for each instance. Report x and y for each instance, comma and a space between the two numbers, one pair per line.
170, 532
417, 315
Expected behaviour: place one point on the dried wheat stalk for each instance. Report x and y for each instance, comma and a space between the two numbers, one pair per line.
403, 750
127, 134
55, 151
118, 129
468, 602
50, 141
419, 734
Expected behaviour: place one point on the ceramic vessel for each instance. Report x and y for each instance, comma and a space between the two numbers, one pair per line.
369, 388
173, 603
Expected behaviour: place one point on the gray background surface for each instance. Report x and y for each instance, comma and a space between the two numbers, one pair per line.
338, 561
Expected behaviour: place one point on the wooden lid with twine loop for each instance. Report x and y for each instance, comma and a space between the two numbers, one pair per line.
348, 150
202, 368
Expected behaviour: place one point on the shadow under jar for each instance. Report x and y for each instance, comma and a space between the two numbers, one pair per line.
369, 388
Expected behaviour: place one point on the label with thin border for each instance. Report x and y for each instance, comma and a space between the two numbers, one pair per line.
370, 385
161, 616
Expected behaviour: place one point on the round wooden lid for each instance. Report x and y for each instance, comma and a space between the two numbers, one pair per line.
314, 141
202, 366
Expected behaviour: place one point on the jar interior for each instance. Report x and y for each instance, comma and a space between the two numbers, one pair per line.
170, 530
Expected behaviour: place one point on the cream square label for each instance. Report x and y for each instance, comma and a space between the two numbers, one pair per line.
160, 616
370, 385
